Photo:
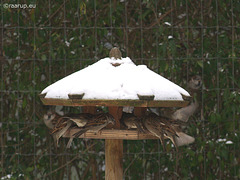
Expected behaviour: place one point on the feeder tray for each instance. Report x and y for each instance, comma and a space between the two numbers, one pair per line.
113, 134
140, 109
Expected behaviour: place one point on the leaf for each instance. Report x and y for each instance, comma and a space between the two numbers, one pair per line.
30, 169
166, 67
200, 63
44, 57
200, 158
172, 47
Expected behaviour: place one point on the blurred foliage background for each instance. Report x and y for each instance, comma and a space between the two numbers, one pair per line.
175, 38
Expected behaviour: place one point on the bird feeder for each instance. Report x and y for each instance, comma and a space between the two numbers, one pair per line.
115, 82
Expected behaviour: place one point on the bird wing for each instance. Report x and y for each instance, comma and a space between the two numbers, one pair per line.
61, 132
132, 121
79, 122
152, 125
183, 139
183, 114
93, 128
139, 125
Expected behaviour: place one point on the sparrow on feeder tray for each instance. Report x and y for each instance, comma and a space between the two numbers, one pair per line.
158, 128
50, 119
60, 124
164, 128
80, 119
61, 128
181, 138
132, 122
97, 123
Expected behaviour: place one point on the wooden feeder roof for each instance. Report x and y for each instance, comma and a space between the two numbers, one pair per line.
115, 82
104, 102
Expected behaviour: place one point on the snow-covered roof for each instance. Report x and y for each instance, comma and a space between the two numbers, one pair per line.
125, 80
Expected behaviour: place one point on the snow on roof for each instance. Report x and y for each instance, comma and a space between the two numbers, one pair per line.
102, 80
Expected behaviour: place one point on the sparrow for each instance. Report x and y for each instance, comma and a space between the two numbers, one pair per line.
60, 124
153, 126
61, 128
95, 124
195, 83
115, 53
181, 138
80, 119
164, 128
132, 122
50, 118
183, 114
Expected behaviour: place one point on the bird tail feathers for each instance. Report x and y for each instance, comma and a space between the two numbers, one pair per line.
183, 139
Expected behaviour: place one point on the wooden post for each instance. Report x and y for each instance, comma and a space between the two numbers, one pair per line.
114, 150
89, 109
140, 111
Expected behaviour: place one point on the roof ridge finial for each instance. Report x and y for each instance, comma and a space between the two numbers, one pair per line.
115, 53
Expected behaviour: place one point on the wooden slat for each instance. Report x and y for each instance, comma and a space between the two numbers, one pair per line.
104, 102
113, 134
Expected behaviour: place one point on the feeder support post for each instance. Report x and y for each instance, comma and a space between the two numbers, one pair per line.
114, 150
114, 147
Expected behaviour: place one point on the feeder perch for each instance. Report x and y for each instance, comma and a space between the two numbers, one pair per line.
108, 83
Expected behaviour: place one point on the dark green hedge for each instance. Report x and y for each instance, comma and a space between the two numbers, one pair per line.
177, 39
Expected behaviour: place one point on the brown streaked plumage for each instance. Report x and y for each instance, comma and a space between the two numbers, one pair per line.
132, 122
97, 123
167, 128
115, 53
154, 127
60, 124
